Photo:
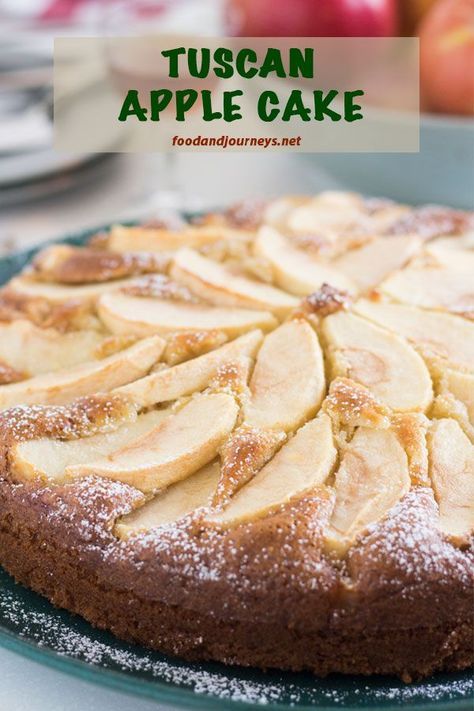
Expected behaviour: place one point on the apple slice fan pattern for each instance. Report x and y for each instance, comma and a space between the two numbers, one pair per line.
254, 428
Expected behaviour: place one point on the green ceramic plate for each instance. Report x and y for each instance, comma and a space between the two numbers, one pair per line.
31, 626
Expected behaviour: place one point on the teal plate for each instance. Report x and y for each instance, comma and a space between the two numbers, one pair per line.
31, 626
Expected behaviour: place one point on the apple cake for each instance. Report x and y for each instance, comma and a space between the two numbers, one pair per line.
248, 437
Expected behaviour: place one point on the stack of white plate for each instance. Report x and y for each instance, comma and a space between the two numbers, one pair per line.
29, 166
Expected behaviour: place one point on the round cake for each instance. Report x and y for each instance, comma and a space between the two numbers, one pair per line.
249, 437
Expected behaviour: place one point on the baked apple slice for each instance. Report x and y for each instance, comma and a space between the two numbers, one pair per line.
302, 464
288, 381
433, 288
192, 375
48, 458
461, 242
452, 476
123, 314
178, 500
26, 286
382, 361
179, 446
63, 386
296, 270
370, 264
35, 350
160, 239
457, 259
372, 477
216, 283
329, 211
277, 212
440, 338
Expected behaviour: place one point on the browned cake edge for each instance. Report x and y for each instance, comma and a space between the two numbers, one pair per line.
389, 610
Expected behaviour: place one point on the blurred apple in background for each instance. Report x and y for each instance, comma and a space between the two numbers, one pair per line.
313, 18
447, 57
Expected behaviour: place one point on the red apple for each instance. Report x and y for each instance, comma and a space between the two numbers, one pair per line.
312, 18
412, 12
447, 57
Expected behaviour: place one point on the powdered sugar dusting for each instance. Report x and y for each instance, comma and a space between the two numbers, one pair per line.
430, 221
159, 286
78, 265
84, 417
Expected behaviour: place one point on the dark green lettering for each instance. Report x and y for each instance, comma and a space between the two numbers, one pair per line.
131, 107
245, 56
223, 58
185, 100
272, 64
207, 113
172, 55
295, 107
351, 110
321, 105
265, 98
232, 109
302, 62
200, 72
159, 101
